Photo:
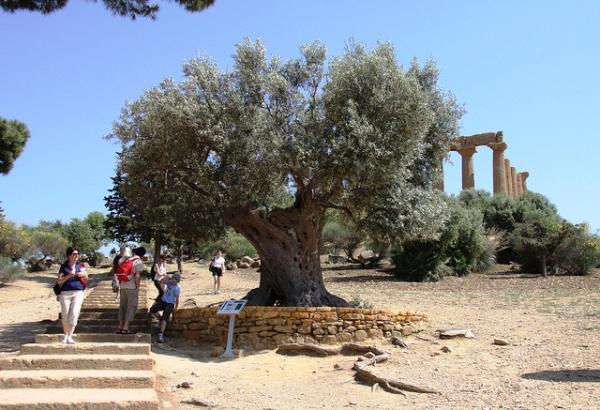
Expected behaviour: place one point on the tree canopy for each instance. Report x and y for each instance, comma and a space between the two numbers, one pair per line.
362, 135
13, 137
127, 8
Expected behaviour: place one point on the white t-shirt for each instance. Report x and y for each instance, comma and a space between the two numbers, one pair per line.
138, 267
218, 262
161, 272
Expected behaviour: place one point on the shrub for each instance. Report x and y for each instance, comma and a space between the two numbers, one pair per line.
359, 302
578, 251
464, 240
535, 239
460, 246
418, 261
9, 270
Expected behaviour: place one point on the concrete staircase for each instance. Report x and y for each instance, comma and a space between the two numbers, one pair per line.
103, 370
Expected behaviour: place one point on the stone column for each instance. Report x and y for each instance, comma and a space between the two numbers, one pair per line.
519, 185
468, 176
498, 167
509, 187
524, 176
513, 176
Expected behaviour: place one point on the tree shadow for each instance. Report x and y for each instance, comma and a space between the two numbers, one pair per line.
566, 375
345, 266
510, 275
362, 279
13, 335
198, 352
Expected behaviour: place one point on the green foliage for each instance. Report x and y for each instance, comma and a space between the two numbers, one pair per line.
358, 302
9, 270
341, 237
535, 239
126, 8
47, 244
419, 261
230, 142
233, 245
13, 137
459, 249
578, 252
14, 241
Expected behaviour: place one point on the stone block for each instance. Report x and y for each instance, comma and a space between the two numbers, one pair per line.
360, 335
277, 321
332, 330
344, 337
318, 331
283, 329
329, 340
375, 333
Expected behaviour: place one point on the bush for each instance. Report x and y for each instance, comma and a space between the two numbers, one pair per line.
578, 251
419, 261
460, 247
535, 239
9, 270
359, 302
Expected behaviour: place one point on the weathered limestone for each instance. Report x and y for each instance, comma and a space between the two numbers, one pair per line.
509, 185
268, 327
499, 177
513, 176
524, 176
101, 371
519, 185
468, 175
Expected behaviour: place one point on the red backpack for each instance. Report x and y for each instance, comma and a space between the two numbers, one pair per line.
124, 269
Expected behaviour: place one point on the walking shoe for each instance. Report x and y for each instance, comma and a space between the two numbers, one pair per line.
65, 340
70, 340
161, 338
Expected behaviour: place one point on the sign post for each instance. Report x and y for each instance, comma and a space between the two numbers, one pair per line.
232, 308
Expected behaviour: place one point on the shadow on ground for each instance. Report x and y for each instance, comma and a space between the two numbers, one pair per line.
13, 335
576, 375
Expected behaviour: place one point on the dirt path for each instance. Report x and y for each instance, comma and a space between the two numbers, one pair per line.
552, 361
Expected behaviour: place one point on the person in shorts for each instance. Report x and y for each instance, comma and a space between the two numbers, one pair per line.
216, 267
168, 304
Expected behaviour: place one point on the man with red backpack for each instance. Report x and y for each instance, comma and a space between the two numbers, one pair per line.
128, 274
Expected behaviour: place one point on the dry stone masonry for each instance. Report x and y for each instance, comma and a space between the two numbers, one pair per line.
268, 327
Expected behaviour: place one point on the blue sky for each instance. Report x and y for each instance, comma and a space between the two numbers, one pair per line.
529, 68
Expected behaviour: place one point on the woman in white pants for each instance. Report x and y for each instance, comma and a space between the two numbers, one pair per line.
72, 278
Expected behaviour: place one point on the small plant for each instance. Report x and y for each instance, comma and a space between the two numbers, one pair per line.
9, 270
359, 302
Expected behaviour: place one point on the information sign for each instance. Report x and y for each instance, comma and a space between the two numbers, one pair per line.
232, 307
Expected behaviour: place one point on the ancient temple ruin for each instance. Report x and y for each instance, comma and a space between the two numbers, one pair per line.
506, 178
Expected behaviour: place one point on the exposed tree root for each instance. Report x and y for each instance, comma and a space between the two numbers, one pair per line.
360, 367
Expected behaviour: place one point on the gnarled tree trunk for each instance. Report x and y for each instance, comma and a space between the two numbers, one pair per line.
287, 241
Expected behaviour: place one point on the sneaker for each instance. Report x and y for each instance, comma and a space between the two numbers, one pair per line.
161, 338
65, 340
70, 340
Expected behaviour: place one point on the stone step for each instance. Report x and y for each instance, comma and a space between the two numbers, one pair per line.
80, 379
106, 322
109, 328
107, 310
77, 362
85, 348
108, 315
95, 338
79, 399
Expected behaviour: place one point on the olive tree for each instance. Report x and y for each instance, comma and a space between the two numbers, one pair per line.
360, 134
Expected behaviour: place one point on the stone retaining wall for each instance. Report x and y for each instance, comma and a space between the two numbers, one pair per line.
268, 327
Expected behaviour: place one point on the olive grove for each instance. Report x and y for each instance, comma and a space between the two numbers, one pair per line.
267, 147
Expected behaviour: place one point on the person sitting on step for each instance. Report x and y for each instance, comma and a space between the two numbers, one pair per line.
168, 304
